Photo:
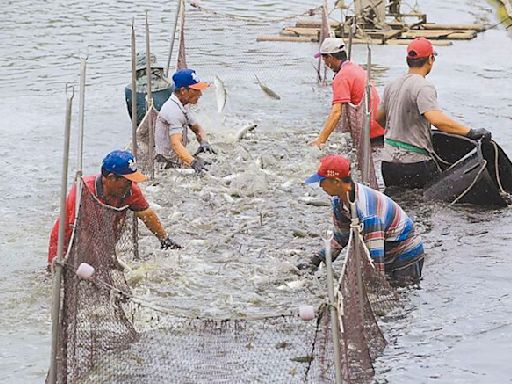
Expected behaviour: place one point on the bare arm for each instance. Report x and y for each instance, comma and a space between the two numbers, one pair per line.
153, 223
180, 150
445, 123
381, 117
199, 131
330, 124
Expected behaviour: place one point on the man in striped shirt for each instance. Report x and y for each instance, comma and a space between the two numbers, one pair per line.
395, 247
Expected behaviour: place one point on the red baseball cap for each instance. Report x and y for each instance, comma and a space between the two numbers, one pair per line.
420, 48
332, 167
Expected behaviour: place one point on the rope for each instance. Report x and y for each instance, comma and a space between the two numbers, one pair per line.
470, 186
497, 168
309, 12
168, 310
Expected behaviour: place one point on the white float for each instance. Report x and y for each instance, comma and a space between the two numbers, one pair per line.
306, 312
85, 271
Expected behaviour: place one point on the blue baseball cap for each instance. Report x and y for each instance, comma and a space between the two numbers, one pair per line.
187, 78
122, 163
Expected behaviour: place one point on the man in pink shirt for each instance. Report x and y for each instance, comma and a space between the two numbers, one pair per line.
348, 87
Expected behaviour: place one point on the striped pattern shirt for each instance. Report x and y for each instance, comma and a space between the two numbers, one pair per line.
387, 231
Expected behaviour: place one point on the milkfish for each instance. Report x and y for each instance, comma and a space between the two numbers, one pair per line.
267, 90
220, 93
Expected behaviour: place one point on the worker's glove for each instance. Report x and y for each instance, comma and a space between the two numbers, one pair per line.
162, 159
169, 244
479, 133
311, 266
205, 147
199, 165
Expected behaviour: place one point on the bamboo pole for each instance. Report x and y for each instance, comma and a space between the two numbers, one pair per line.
80, 151
332, 309
354, 228
149, 104
365, 134
135, 221
173, 37
57, 262
350, 38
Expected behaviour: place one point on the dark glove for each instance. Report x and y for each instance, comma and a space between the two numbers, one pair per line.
169, 244
204, 146
311, 266
479, 133
199, 165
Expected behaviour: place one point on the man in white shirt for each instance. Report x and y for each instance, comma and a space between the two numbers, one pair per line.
174, 122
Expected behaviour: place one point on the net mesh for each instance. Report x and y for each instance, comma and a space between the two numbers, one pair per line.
108, 336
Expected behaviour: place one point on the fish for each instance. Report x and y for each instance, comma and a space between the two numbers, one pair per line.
243, 132
220, 93
267, 90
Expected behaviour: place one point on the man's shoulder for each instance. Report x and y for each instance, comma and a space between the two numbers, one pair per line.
170, 107
350, 69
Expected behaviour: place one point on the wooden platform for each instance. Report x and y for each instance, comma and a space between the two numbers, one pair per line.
308, 30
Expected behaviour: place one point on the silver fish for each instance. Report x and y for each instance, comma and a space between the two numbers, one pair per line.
267, 90
220, 93
243, 132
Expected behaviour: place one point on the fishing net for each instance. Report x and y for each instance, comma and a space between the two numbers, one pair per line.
109, 336
353, 120
92, 319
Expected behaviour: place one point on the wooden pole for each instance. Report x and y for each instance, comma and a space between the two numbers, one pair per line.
335, 326
173, 38
365, 134
149, 105
135, 221
58, 261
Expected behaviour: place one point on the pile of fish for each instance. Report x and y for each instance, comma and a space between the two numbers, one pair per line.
244, 225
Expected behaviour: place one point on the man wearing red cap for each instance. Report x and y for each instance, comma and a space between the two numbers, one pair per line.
115, 186
348, 87
395, 247
408, 109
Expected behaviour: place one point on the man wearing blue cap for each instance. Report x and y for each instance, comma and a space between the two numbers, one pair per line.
115, 186
174, 121
389, 234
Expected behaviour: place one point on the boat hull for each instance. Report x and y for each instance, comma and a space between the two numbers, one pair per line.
475, 172
159, 98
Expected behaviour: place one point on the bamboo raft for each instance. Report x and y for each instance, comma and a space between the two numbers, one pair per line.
396, 33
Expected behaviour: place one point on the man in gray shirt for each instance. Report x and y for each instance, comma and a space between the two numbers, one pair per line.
174, 122
408, 109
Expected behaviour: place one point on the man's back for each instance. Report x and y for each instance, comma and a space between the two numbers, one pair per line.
405, 101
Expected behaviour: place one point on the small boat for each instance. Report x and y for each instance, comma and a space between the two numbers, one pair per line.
161, 87
474, 172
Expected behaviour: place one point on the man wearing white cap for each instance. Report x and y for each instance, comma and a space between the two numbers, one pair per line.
348, 86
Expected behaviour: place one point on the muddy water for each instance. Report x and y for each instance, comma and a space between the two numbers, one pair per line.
243, 233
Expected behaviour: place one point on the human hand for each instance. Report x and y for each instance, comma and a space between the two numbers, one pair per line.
312, 265
205, 147
169, 244
316, 143
199, 165
479, 133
